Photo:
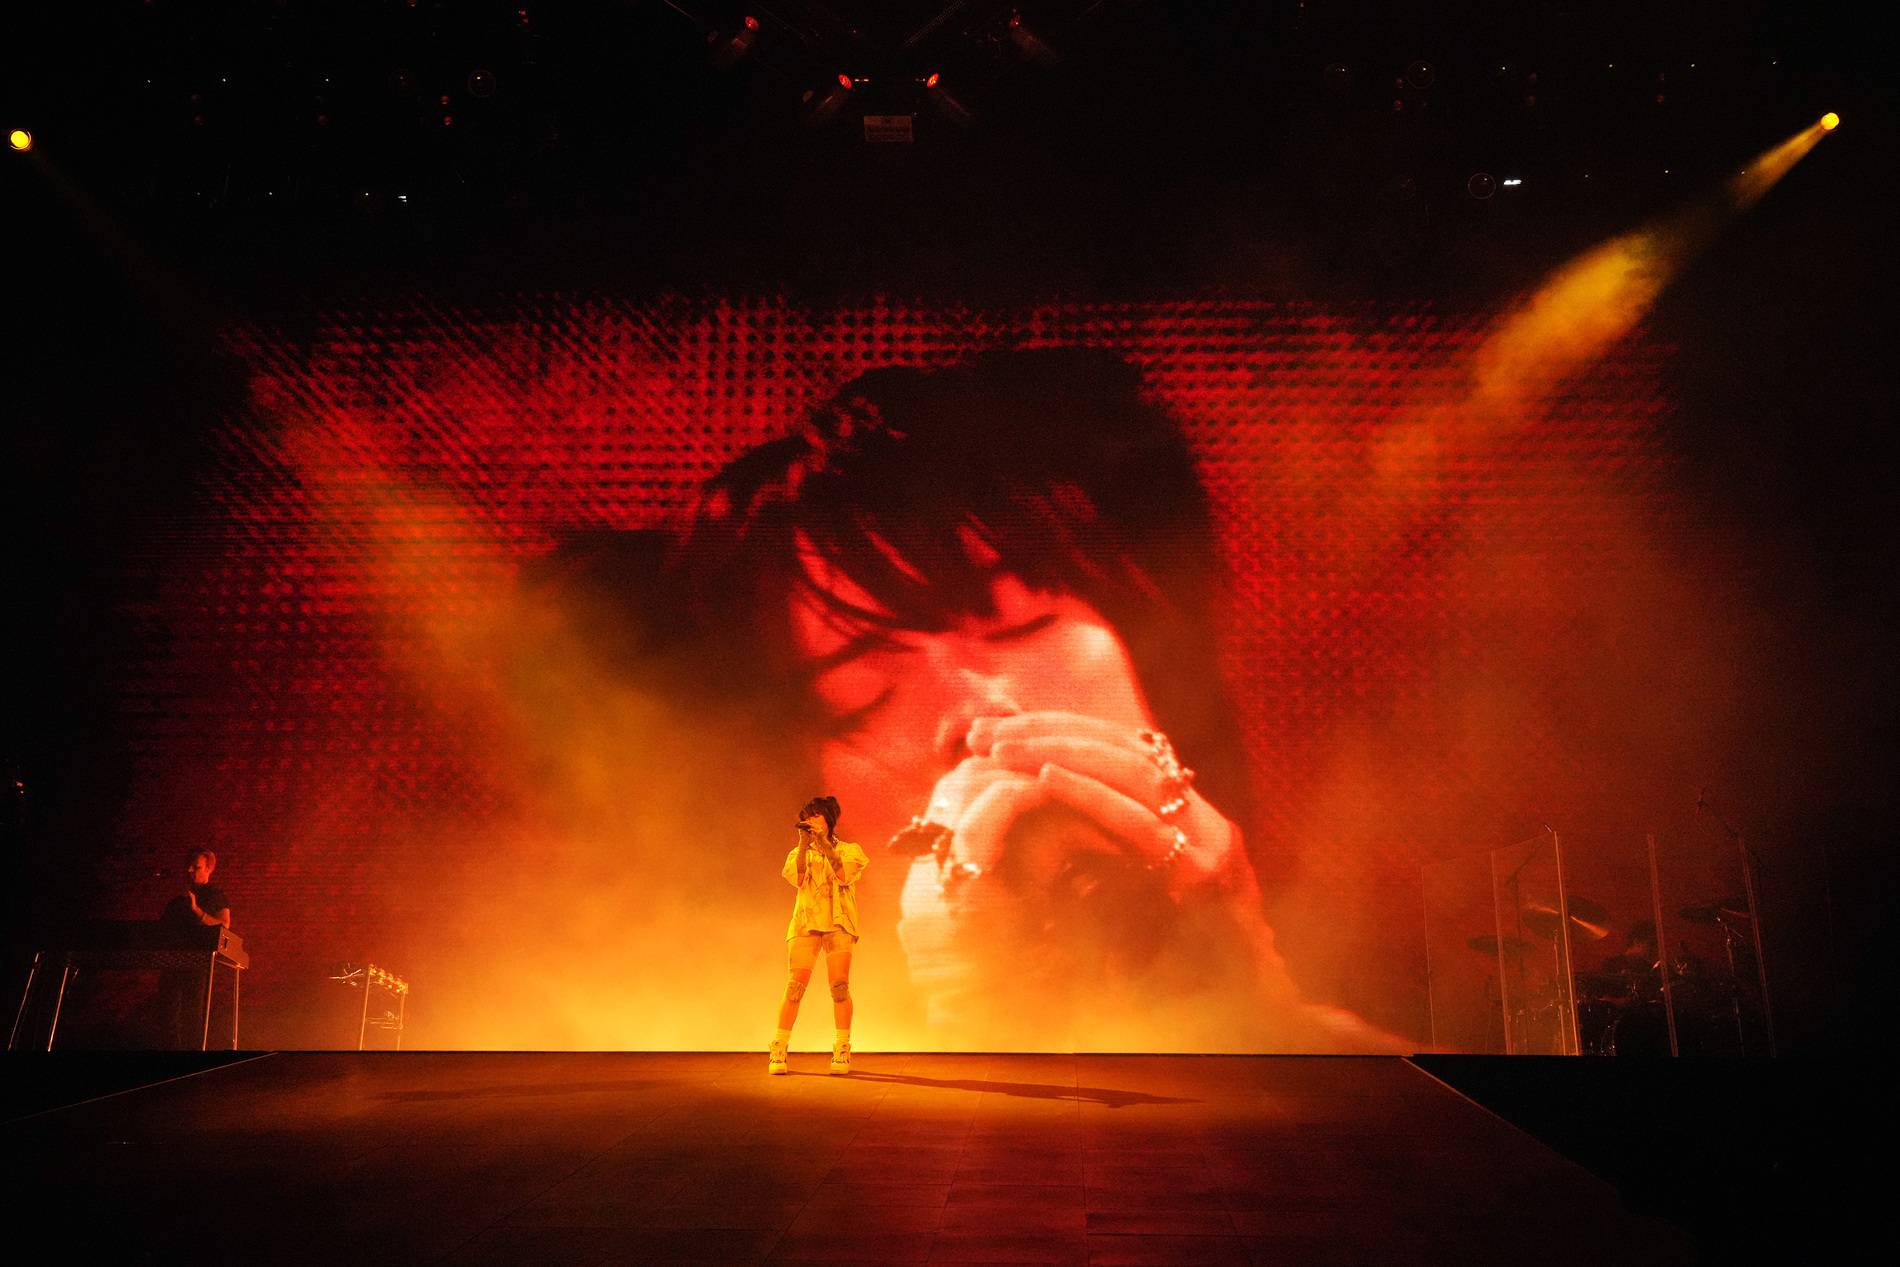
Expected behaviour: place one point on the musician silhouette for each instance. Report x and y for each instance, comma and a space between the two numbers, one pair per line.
181, 998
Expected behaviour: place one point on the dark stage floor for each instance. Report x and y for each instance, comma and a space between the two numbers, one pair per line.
657, 1158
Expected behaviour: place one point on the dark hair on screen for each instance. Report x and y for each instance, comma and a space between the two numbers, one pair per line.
1054, 459
826, 805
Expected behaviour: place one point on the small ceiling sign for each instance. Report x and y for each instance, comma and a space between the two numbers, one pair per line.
888, 127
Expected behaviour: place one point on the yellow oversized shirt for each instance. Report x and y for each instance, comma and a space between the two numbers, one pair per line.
826, 899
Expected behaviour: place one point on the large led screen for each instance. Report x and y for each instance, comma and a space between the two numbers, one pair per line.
1151, 649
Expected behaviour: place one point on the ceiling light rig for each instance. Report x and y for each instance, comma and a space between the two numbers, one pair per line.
361, 113
891, 71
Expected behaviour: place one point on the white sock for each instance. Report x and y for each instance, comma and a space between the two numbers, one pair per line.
781, 1035
844, 1036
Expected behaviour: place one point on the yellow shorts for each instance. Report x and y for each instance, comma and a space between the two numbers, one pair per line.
803, 950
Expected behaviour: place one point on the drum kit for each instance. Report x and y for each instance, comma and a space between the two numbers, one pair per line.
1624, 1006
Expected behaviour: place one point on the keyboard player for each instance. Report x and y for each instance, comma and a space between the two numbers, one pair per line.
181, 998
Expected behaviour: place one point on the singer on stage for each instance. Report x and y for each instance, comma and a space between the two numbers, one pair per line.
825, 871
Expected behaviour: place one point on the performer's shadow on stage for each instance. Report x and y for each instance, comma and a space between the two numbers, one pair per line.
1031, 1090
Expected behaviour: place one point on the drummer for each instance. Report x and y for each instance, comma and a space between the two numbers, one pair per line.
1640, 956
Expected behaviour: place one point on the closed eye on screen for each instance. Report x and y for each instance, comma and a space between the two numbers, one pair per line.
881, 640
1023, 630
870, 640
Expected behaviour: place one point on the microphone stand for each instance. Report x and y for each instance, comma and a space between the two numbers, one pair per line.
1754, 926
1663, 967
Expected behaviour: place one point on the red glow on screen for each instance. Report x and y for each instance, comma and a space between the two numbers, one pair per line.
1399, 612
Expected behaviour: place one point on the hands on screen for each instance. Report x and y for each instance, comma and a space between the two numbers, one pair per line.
1103, 772
1061, 869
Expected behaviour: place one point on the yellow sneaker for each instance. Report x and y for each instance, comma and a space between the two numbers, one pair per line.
775, 1059
841, 1057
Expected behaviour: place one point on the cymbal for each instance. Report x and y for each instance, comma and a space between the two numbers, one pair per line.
1586, 916
1487, 944
1735, 908
1590, 912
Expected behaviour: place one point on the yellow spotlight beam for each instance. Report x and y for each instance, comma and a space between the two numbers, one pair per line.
1760, 176
1582, 308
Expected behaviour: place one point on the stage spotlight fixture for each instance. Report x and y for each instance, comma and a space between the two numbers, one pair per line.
1420, 75
1482, 185
481, 82
1338, 77
20, 139
945, 102
1028, 43
822, 109
1768, 167
1829, 121
729, 53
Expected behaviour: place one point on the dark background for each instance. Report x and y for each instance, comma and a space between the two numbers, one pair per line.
1170, 146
